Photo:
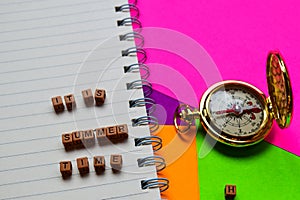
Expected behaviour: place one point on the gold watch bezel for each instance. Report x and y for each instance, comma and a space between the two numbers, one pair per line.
223, 137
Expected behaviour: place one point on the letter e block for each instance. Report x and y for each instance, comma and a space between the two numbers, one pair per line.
111, 133
116, 162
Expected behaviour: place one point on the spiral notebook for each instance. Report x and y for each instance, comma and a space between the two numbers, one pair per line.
54, 48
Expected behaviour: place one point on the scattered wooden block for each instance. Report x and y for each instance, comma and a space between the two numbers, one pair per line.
111, 133
101, 136
65, 169
70, 102
58, 104
230, 191
116, 162
99, 164
88, 97
77, 137
88, 138
67, 140
100, 96
122, 131
83, 165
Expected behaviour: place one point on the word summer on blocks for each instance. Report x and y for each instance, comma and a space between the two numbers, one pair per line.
86, 138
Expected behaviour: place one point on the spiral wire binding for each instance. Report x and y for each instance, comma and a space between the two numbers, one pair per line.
141, 102
133, 36
151, 121
155, 141
161, 183
158, 161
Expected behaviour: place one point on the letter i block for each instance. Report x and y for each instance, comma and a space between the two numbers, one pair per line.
88, 97
67, 140
230, 192
100, 96
65, 169
99, 164
116, 162
88, 138
58, 104
83, 165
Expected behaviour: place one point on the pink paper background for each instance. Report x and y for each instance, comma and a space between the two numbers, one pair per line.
237, 35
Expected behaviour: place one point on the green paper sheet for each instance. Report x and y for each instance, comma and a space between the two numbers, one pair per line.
260, 172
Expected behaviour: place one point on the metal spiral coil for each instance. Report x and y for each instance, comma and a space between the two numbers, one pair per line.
155, 141
127, 8
143, 102
151, 121
161, 183
143, 69
158, 161
133, 36
129, 21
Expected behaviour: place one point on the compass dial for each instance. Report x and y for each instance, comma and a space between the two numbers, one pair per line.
235, 111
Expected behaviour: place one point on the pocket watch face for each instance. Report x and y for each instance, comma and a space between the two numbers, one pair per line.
236, 111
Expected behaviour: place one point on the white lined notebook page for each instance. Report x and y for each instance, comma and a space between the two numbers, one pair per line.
50, 48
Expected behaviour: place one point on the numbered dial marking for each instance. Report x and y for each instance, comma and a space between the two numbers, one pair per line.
236, 112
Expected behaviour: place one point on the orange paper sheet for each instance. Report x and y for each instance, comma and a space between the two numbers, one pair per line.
182, 167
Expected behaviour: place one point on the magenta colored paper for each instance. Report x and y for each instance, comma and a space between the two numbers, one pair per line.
237, 36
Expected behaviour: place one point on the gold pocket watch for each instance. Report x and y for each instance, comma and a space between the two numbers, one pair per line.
237, 113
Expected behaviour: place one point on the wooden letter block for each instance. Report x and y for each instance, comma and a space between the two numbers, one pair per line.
230, 191
100, 96
116, 162
77, 139
101, 136
88, 97
88, 138
99, 164
58, 104
83, 165
111, 133
65, 169
122, 131
67, 140
70, 102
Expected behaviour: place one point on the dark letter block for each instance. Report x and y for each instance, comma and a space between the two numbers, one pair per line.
65, 169
99, 164
230, 191
58, 104
67, 141
100, 96
83, 165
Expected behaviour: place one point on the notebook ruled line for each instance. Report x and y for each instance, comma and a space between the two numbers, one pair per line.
52, 26
52, 7
56, 163
52, 124
53, 16
73, 189
58, 35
